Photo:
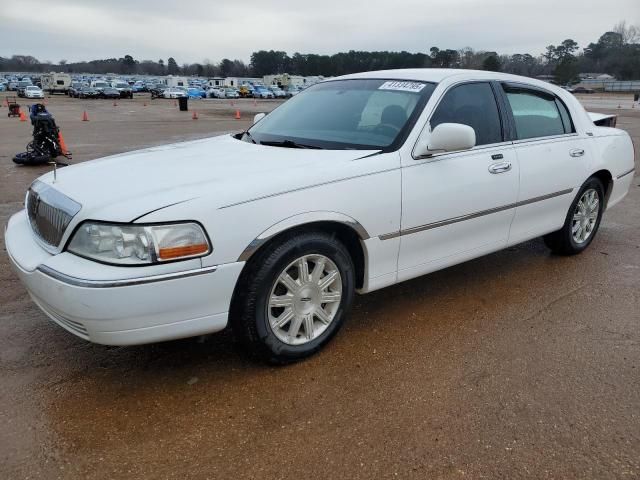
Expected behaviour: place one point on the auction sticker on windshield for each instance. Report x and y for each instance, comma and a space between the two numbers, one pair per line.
402, 86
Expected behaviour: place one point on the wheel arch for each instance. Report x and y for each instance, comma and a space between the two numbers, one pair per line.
607, 181
348, 230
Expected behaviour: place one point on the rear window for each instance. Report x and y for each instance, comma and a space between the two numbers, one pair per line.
537, 114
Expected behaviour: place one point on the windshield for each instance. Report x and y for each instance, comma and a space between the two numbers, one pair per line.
345, 114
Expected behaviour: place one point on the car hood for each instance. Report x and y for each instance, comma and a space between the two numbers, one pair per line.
221, 169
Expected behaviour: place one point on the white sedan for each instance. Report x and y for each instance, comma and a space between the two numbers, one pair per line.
216, 92
33, 92
358, 183
174, 92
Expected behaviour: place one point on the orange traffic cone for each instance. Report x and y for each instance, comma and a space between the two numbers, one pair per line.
231, 103
85, 117
237, 114
115, 104
63, 146
194, 116
175, 104
44, 101
144, 104
23, 117
255, 104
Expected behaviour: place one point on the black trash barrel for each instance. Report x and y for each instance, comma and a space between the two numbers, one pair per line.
182, 103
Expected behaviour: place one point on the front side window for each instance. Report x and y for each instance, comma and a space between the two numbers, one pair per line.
537, 114
345, 114
471, 104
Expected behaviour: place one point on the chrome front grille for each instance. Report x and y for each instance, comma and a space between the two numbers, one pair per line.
50, 212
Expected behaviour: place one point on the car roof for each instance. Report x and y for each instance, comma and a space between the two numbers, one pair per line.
437, 75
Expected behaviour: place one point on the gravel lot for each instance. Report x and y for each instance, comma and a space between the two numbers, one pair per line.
516, 365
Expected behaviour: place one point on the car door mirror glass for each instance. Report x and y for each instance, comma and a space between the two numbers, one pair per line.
258, 117
446, 137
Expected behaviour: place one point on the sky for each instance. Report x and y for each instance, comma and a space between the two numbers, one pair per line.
200, 30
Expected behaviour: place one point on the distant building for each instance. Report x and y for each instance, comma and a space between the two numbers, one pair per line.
215, 82
239, 81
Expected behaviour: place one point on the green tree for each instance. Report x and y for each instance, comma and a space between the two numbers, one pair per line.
492, 63
172, 66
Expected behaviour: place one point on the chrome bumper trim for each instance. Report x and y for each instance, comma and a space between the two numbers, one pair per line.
626, 173
470, 216
80, 282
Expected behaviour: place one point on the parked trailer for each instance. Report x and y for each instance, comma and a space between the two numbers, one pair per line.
171, 81
55, 82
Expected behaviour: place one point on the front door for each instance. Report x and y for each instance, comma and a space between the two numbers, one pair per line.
459, 205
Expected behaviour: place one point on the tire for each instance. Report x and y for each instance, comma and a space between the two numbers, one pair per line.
253, 316
564, 241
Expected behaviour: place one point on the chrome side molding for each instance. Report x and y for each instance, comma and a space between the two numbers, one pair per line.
470, 216
127, 282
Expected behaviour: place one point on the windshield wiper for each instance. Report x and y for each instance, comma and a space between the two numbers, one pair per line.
289, 144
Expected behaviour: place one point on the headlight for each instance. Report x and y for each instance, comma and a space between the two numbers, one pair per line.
139, 244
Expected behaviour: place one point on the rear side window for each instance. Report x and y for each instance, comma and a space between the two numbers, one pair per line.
471, 104
537, 114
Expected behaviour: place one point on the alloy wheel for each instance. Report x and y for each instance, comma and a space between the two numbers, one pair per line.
304, 299
585, 216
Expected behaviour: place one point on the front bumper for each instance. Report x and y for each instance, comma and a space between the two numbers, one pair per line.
121, 305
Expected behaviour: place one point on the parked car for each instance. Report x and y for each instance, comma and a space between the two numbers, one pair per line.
291, 91
273, 230
216, 92
174, 92
124, 90
231, 93
3, 87
246, 91
31, 91
75, 87
277, 92
259, 91
110, 93
157, 90
582, 90
139, 87
100, 85
88, 92
21, 86
196, 92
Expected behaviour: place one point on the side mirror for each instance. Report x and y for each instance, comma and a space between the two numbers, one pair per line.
258, 117
446, 137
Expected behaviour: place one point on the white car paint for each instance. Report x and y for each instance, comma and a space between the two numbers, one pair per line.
33, 92
413, 216
174, 92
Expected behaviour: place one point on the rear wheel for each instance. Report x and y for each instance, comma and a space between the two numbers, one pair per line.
582, 221
293, 297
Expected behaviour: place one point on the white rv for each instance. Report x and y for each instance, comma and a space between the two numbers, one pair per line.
177, 81
56, 82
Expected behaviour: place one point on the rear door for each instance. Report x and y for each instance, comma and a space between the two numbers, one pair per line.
459, 205
551, 156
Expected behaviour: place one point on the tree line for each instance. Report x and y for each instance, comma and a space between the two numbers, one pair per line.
616, 52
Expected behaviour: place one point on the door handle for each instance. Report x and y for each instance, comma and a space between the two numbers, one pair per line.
577, 152
500, 167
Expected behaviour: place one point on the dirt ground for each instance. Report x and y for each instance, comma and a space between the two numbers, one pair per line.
519, 364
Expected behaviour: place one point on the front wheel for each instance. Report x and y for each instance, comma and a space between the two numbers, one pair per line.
582, 221
293, 297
